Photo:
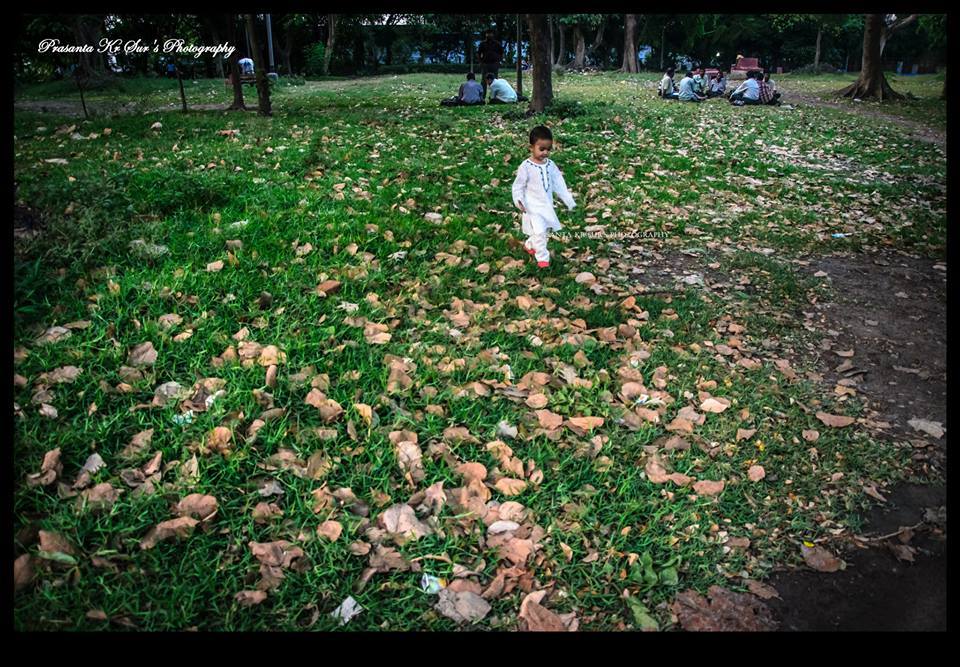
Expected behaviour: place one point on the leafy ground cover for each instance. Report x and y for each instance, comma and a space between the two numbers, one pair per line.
313, 363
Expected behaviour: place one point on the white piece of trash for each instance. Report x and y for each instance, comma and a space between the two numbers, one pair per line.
347, 610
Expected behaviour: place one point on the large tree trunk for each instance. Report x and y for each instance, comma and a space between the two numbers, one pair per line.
630, 45
597, 39
816, 55
871, 82
234, 66
260, 66
580, 47
887, 30
540, 61
663, 46
331, 41
519, 61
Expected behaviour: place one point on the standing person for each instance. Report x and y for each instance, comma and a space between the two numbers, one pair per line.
718, 84
538, 180
747, 92
666, 86
500, 91
688, 89
490, 53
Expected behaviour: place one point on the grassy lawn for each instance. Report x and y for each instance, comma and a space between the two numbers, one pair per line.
335, 187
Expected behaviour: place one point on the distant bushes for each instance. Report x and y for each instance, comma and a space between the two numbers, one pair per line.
428, 68
824, 68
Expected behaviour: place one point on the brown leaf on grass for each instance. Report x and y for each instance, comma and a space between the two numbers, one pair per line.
462, 606
538, 618
745, 433
376, 334
50, 470
835, 421
549, 420
198, 505
213, 267
328, 287
509, 486
169, 321
706, 487
472, 470
715, 405
250, 598
100, 497
820, 559
384, 559
726, 611
582, 425
811, 435
271, 355
179, 528
401, 519
265, 512
53, 335
271, 378
280, 553
142, 355
23, 572
537, 401
681, 425
51, 542
64, 374
330, 530
410, 460
761, 590
48, 411
756, 473
139, 444
315, 398
218, 440
456, 434
657, 474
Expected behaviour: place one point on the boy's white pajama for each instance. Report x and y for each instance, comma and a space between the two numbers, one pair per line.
534, 187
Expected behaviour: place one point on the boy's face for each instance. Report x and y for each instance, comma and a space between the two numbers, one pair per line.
541, 149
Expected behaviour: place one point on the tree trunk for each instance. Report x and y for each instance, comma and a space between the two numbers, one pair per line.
943, 93
519, 61
183, 96
238, 104
597, 39
816, 55
260, 66
663, 46
887, 30
550, 23
871, 83
561, 52
331, 41
579, 47
630, 45
540, 62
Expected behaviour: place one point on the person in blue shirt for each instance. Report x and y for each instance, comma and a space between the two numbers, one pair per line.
471, 92
688, 89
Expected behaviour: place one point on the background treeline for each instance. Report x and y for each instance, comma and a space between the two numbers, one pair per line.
313, 45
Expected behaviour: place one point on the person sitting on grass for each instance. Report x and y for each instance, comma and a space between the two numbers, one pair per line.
471, 92
718, 84
500, 91
700, 82
688, 90
666, 86
747, 92
765, 92
771, 84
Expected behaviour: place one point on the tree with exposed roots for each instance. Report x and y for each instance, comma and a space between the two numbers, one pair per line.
540, 61
871, 84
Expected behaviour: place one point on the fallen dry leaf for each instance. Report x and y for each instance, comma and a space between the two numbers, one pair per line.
141, 355
23, 572
198, 505
462, 606
715, 405
330, 530
756, 473
180, 528
706, 487
726, 611
509, 486
250, 598
401, 519
835, 421
820, 559
50, 470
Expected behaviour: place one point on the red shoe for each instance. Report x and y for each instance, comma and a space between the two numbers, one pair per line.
543, 265
531, 251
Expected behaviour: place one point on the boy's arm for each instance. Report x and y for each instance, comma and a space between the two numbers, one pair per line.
520, 189
561, 188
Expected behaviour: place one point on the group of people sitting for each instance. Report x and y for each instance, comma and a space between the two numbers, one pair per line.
472, 92
757, 88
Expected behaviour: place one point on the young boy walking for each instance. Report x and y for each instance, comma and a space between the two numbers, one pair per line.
538, 179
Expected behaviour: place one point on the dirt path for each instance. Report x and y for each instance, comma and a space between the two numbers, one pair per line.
74, 108
915, 129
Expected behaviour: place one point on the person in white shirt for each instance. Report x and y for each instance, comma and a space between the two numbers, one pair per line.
538, 180
688, 89
246, 66
747, 92
666, 86
500, 91
718, 84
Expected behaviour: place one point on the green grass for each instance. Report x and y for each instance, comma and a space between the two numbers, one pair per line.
634, 163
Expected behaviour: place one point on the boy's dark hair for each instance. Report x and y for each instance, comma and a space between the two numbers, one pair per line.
670, 71
490, 76
540, 132
470, 76
689, 72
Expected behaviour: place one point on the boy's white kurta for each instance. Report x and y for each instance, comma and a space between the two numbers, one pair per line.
534, 187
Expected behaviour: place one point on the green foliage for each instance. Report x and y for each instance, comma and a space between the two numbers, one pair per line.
313, 55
